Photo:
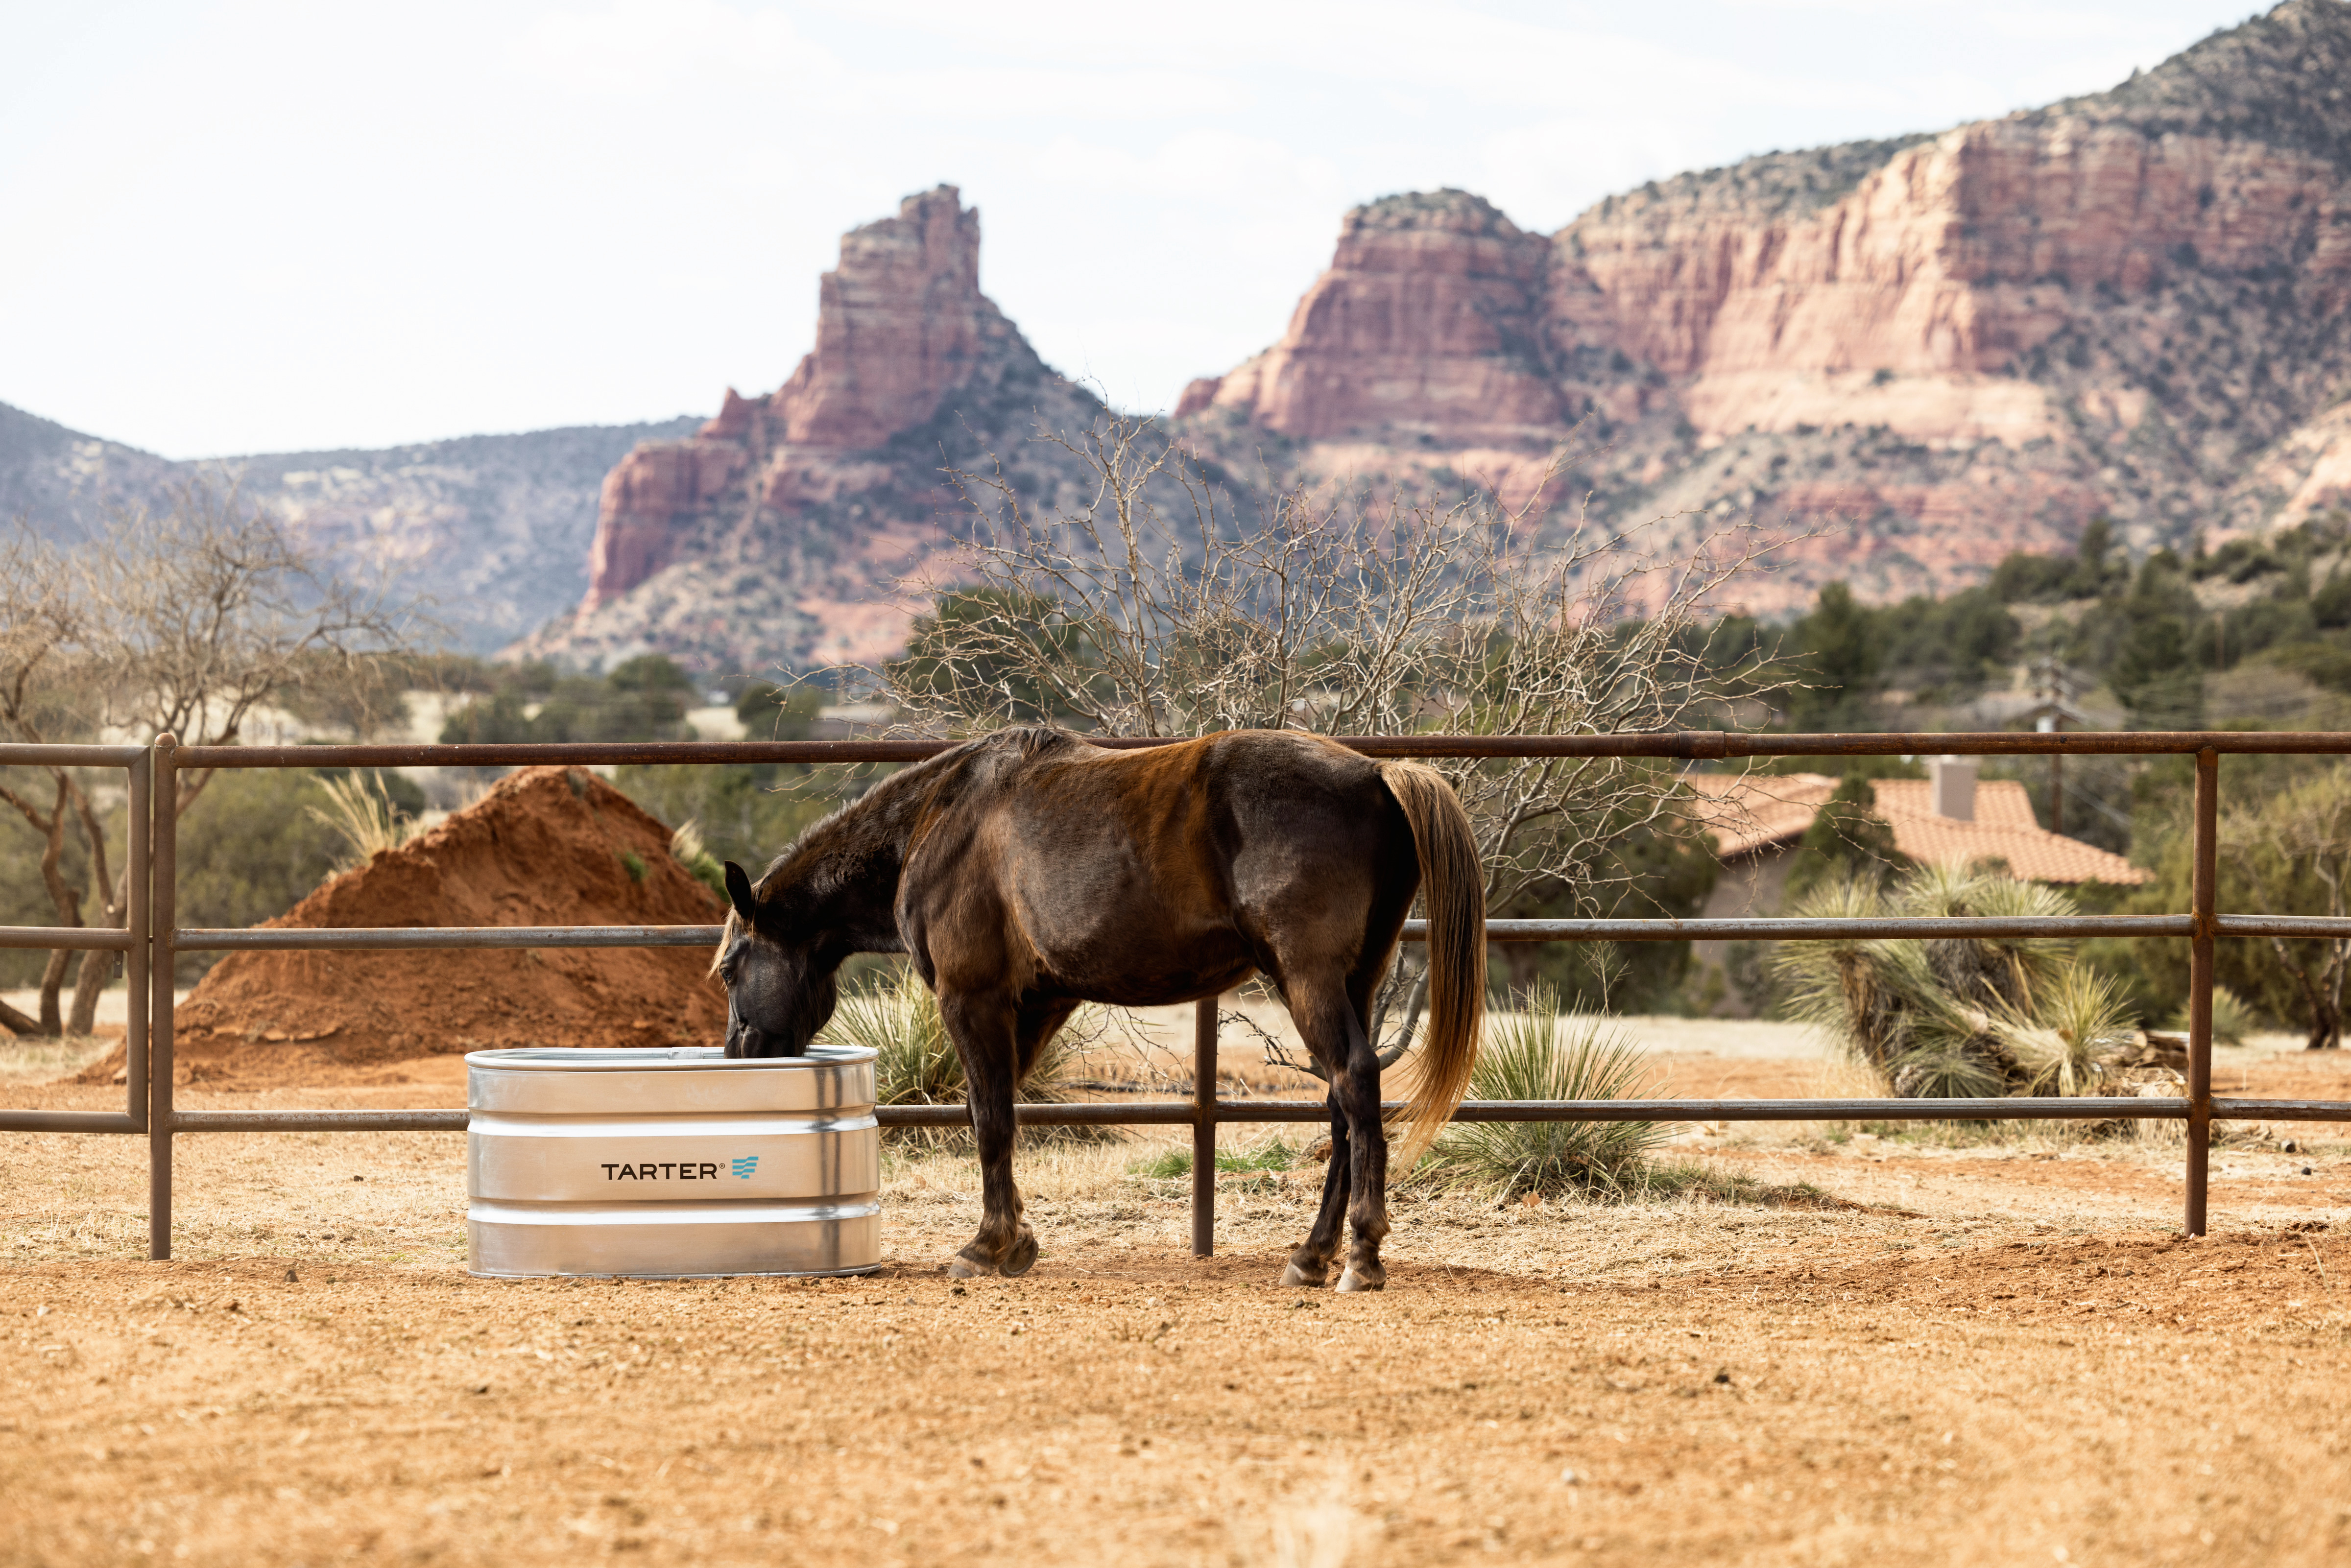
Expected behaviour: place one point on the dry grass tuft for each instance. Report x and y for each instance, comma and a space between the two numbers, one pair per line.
1533, 1052
896, 1017
361, 814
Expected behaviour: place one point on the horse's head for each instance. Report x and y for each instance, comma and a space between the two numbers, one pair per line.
777, 994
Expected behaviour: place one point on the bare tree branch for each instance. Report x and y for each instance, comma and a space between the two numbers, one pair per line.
1167, 605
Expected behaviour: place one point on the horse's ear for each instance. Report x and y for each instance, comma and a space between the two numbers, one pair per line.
738, 892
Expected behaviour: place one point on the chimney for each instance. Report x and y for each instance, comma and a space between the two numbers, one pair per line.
1953, 782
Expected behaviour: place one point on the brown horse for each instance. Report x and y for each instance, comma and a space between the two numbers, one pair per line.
1029, 871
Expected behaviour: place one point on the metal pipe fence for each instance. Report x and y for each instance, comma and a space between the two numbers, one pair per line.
152, 939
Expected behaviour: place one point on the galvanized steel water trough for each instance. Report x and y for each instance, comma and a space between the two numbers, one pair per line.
672, 1164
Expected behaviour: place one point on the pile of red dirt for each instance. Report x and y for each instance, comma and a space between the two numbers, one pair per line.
548, 846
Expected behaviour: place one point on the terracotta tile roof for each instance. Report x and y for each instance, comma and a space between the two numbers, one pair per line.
1747, 813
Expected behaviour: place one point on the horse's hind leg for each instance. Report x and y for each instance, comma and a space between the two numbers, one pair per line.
1309, 1263
983, 1031
1367, 1206
1356, 1181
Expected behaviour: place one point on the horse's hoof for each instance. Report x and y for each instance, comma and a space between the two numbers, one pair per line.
962, 1268
1351, 1280
1022, 1258
1294, 1275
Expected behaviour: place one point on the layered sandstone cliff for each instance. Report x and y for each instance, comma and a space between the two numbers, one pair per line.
1943, 347
899, 325
1430, 317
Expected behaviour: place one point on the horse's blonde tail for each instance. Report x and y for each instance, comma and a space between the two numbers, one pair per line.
1453, 887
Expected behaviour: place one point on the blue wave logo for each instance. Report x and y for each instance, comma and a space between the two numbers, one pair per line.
745, 1166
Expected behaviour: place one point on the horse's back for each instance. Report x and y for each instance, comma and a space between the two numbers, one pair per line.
1161, 874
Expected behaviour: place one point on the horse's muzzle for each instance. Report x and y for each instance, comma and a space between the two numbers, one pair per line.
744, 1040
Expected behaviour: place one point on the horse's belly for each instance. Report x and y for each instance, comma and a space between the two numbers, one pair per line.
1134, 959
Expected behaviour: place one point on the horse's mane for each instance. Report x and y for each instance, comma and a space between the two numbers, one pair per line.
727, 935
1026, 740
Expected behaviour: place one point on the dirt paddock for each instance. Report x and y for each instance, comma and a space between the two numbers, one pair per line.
1964, 1355
1928, 1348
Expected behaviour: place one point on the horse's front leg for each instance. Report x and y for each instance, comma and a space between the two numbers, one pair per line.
982, 1028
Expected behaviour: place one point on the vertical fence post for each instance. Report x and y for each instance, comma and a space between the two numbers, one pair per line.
2203, 899
1204, 1129
164, 912
136, 920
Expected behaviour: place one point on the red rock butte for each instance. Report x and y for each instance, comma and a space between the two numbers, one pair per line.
899, 325
1430, 318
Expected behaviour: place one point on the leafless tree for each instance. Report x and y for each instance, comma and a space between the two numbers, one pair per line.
43, 696
1167, 606
191, 621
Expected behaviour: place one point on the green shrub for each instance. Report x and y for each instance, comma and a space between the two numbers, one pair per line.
1169, 1164
1166, 1166
685, 844
915, 1064
746, 813
364, 814
1846, 841
25, 897
2233, 1018
250, 849
1535, 1053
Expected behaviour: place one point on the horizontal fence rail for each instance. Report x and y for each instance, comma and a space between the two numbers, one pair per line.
1687, 745
87, 939
1184, 1113
394, 938
387, 938
151, 939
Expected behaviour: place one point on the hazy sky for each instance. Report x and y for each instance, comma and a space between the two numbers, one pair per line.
268, 225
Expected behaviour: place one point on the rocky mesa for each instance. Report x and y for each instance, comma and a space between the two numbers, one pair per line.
1940, 348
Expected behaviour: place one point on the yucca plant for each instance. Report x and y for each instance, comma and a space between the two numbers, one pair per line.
1535, 1054
2233, 1018
2083, 1021
1852, 988
1986, 970
1957, 1018
1947, 1049
362, 815
896, 1017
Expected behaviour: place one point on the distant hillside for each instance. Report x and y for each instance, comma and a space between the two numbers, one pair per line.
494, 528
1920, 354
63, 482
1916, 355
